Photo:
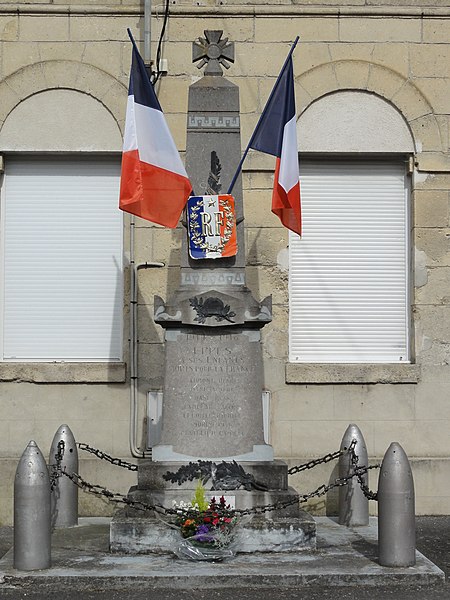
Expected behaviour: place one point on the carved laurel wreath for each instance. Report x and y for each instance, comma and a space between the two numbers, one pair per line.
211, 307
224, 476
195, 227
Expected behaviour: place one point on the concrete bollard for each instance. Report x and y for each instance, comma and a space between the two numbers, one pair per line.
353, 505
396, 514
32, 526
65, 492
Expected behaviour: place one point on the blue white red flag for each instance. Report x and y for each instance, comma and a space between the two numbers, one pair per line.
154, 184
211, 226
276, 134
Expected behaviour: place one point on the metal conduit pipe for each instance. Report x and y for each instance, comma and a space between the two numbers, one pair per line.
147, 31
134, 413
134, 374
133, 350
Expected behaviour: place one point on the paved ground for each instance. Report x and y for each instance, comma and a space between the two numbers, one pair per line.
433, 540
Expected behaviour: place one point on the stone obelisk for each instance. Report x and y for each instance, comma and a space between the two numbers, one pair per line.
213, 381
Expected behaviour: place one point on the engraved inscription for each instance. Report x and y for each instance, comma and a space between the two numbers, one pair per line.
208, 278
211, 390
216, 121
208, 371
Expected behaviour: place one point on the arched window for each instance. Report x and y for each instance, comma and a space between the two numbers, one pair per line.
61, 268
349, 273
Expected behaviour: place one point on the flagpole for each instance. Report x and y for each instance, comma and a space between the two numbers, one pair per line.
130, 35
238, 170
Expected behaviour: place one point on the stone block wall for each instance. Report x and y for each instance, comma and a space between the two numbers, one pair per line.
399, 50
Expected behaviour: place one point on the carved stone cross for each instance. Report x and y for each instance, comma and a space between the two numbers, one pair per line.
213, 52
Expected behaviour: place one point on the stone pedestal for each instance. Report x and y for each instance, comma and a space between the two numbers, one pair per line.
267, 483
283, 530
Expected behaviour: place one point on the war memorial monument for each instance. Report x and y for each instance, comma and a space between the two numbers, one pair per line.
213, 379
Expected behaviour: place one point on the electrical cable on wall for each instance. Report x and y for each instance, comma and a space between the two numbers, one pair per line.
157, 74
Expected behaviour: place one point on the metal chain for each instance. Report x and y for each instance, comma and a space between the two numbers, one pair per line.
139, 505
56, 468
99, 490
354, 460
358, 472
364, 487
102, 455
317, 461
292, 471
303, 498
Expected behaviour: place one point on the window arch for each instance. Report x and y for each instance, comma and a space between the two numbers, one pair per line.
353, 121
349, 273
61, 267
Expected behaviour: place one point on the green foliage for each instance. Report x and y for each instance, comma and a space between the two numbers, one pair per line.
199, 498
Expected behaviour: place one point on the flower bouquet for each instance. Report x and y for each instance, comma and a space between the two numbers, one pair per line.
208, 529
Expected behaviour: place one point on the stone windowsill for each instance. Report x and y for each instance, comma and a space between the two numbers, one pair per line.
63, 372
312, 373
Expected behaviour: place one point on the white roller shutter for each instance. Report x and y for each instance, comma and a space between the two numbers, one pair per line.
62, 260
348, 274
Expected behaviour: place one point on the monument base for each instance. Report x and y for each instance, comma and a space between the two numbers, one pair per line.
260, 452
260, 484
244, 485
153, 475
239, 499
146, 535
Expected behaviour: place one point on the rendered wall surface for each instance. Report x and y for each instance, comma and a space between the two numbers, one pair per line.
396, 49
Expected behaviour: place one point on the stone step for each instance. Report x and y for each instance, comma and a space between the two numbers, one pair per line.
134, 535
239, 499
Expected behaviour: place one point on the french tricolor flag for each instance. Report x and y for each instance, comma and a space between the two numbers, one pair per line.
276, 134
154, 184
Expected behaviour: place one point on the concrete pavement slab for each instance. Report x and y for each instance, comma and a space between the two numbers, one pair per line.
344, 557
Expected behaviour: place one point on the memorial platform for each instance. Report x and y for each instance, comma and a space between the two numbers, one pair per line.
343, 557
